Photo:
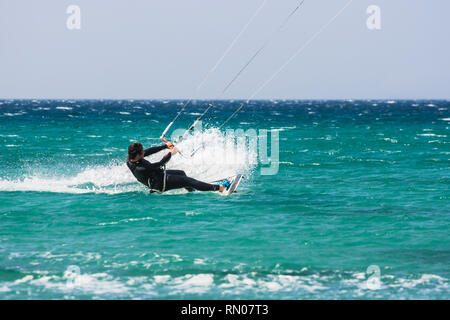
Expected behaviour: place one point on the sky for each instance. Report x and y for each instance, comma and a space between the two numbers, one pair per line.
149, 49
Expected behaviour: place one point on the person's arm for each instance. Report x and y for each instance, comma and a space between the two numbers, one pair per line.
163, 161
153, 150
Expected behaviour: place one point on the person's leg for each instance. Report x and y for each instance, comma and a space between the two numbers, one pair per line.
176, 172
180, 173
179, 181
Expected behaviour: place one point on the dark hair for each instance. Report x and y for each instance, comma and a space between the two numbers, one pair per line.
134, 150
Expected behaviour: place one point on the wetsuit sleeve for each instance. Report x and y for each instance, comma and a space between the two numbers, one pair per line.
163, 161
153, 150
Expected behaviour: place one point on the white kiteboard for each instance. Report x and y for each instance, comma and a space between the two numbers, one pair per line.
234, 181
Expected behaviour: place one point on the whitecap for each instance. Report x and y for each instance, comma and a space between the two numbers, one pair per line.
161, 278
126, 221
283, 128
5, 288
198, 283
98, 283
8, 114
200, 261
432, 135
390, 140
191, 213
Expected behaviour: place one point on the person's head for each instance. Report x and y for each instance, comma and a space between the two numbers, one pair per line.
135, 151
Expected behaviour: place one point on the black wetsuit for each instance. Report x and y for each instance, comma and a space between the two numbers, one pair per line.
152, 174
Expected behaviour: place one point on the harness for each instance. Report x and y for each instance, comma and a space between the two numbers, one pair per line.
164, 183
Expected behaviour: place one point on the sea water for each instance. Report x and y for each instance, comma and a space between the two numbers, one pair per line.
357, 205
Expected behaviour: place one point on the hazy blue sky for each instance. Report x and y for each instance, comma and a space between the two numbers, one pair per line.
144, 49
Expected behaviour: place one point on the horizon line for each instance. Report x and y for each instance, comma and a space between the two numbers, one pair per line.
234, 99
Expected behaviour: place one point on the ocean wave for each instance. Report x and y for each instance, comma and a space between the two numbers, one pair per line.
9, 114
126, 221
284, 128
306, 285
432, 135
113, 178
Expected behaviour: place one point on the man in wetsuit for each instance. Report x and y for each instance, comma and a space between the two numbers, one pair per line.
154, 175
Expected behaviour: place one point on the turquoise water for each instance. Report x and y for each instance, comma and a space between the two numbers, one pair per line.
359, 184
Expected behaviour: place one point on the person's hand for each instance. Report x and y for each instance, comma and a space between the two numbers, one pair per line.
170, 145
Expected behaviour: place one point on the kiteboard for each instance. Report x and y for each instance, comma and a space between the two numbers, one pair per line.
232, 182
